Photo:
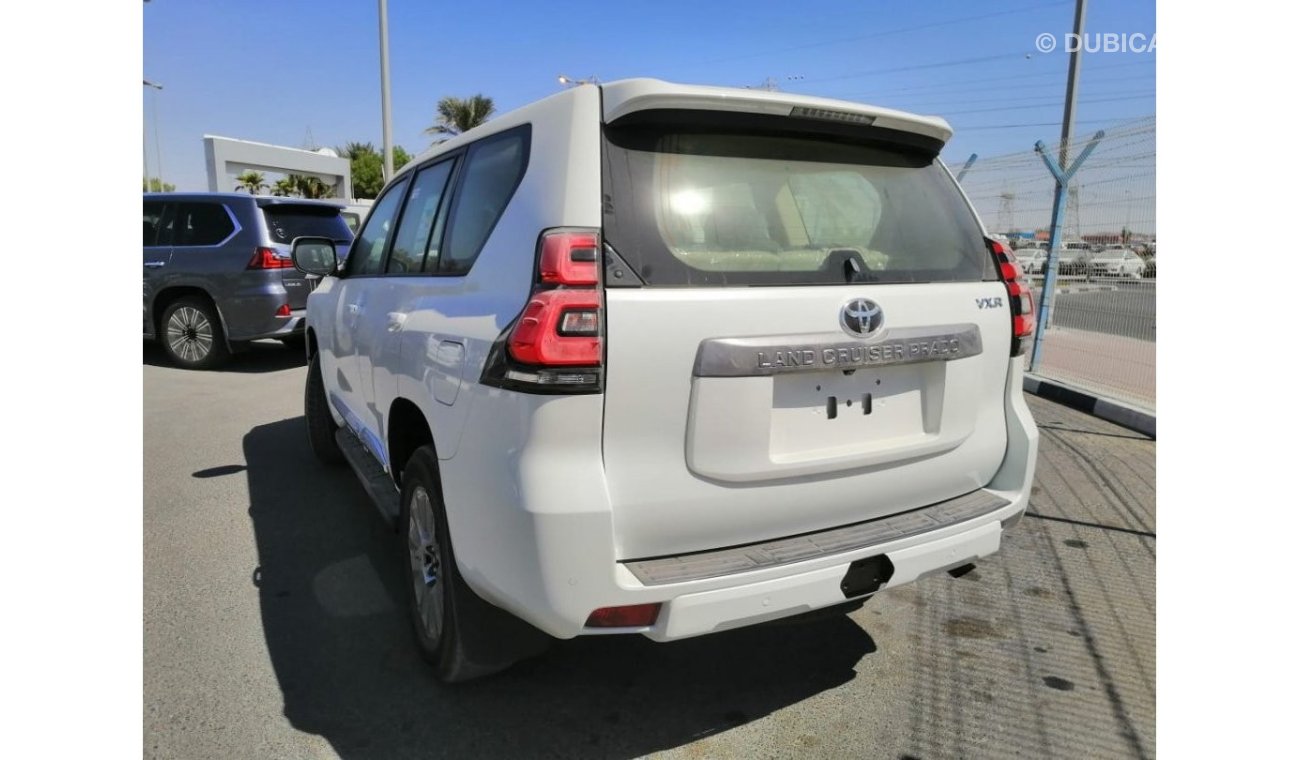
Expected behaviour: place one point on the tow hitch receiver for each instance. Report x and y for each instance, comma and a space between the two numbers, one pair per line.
866, 576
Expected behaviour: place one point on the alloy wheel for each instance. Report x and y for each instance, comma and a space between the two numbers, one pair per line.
426, 563
189, 334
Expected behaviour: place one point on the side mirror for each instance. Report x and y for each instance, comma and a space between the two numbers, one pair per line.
315, 255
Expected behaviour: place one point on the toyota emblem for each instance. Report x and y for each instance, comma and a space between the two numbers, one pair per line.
861, 317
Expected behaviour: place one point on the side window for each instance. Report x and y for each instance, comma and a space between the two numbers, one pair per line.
416, 229
202, 224
152, 221
494, 169
367, 254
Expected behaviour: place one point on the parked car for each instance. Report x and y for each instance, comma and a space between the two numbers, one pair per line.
1032, 255
1150, 269
1074, 257
656, 359
218, 272
1117, 260
354, 214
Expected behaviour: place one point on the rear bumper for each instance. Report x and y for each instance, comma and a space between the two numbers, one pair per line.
547, 554
698, 613
558, 593
252, 315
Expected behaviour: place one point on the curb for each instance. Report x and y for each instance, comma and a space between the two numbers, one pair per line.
1110, 410
1068, 289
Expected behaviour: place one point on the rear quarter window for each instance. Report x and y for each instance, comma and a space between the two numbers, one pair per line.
202, 224
493, 170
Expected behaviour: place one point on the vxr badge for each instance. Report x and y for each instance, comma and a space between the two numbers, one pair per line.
989, 303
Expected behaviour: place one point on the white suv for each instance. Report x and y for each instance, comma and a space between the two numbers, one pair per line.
644, 358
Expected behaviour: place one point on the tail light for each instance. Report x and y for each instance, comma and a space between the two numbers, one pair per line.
1018, 294
283, 311
556, 343
266, 258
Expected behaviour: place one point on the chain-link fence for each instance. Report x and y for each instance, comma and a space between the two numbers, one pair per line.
1103, 328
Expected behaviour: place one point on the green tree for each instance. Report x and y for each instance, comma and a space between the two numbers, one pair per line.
457, 115
284, 187
155, 185
311, 187
252, 181
367, 166
367, 175
355, 149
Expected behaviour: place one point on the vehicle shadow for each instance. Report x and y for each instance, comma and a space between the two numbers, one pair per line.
261, 356
340, 645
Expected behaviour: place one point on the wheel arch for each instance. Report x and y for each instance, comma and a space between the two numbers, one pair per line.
408, 430
173, 293
312, 345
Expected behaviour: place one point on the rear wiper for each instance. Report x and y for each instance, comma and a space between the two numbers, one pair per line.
852, 269
850, 265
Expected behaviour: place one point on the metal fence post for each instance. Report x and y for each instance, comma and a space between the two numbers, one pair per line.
1046, 296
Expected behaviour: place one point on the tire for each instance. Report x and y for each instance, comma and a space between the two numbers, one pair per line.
459, 634
320, 424
190, 331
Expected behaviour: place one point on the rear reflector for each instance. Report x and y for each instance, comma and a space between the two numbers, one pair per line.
266, 258
283, 311
630, 616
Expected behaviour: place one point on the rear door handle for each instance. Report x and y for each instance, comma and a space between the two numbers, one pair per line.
154, 264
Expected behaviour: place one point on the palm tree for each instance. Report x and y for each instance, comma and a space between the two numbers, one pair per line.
311, 187
355, 150
284, 187
457, 115
251, 181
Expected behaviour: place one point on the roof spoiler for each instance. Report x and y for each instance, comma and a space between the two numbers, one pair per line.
628, 96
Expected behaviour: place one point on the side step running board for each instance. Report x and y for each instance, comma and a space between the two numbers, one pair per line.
376, 482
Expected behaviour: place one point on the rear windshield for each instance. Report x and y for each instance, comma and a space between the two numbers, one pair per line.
731, 208
286, 222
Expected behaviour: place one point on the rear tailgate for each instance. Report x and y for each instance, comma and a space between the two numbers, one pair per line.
818, 338
285, 221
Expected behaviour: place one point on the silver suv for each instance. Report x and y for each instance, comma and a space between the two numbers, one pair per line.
217, 271
645, 358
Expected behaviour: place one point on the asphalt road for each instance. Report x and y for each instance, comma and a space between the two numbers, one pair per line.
271, 629
1128, 310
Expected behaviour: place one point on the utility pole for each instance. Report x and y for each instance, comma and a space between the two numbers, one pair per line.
157, 141
383, 89
1072, 82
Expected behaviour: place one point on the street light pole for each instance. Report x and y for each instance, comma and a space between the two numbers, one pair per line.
386, 102
157, 141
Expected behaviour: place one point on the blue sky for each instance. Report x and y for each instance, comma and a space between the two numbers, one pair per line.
272, 71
